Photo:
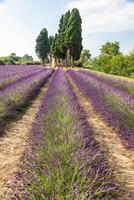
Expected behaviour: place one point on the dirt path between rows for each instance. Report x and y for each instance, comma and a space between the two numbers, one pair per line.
13, 143
120, 158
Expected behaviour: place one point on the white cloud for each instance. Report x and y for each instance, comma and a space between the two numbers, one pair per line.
101, 16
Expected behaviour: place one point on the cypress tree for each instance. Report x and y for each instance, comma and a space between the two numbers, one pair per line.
62, 31
42, 45
68, 41
51, 39
73, 36
61, 38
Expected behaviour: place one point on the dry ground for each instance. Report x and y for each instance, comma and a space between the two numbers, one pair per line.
14, 141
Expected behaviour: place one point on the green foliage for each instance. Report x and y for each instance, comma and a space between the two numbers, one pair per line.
130, 64
37, 63
84, 60
47, 60
50, 40
78, 63
68, 39
62, 32
13, 59
102, 63
85, 57
26, 60
112, 61
58, 45
130, 71
73, 36
8, 60
110, 48
55, 47
2, 62
118, 64
42, 45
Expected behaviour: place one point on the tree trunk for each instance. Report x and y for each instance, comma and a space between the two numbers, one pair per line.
65, 62
43, 61
72, 62
68, 57
57, 62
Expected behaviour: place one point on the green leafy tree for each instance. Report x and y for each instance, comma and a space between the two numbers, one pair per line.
14, 57
130, 58
8, 60
42, 45
110, 48
84, 60
101, 63
2, 62
118, 64
26, 60
85, 55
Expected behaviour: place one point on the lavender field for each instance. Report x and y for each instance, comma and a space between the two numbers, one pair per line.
112, 97
18, 84
79, 141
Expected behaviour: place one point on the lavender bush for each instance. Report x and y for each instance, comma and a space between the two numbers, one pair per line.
15, 95
126, 85
10, 73
115, 105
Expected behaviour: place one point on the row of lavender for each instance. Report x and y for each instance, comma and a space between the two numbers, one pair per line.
115, 105
64, 161
11, 73
13, 69
14, 95
120, 83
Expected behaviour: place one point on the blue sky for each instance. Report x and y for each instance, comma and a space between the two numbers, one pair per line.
103, 20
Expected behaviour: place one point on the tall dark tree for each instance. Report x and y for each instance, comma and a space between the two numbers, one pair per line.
60, 38
50, 40
56, 51
73, 36
67, 43
62, 33
42, 45
55, 46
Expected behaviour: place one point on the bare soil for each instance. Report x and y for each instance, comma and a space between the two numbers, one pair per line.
120, 159
13, 143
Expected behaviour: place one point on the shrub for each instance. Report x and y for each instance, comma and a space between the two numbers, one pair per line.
2, 62
78, 63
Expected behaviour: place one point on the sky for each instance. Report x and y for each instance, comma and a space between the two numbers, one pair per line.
103, 20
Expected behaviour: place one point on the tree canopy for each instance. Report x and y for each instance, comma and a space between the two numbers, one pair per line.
66, 44
110, 48
14, 59
73, 36
42, 45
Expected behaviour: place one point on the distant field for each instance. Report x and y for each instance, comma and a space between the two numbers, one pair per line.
78, 134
